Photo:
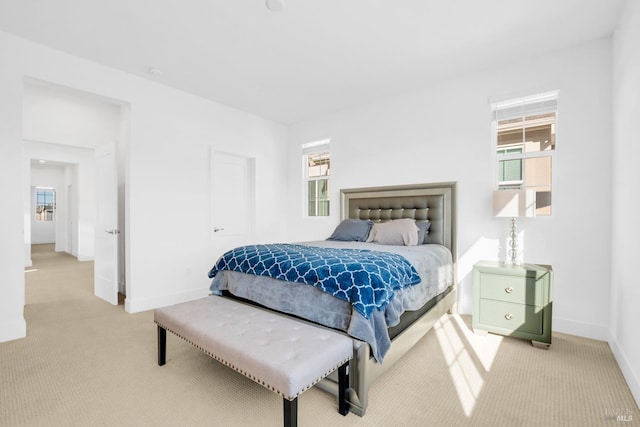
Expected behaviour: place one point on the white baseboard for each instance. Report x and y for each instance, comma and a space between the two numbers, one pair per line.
84, 258
581, 329
630, 375
138, 305
10, 331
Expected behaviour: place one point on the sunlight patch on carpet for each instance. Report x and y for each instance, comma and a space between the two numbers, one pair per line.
459, 347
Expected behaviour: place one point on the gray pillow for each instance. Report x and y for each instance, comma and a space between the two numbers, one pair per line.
423, 229
352, 230
397, 232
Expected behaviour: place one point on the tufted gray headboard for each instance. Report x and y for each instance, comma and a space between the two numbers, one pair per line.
435, 202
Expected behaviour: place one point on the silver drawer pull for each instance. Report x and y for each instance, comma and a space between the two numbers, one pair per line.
508, 290
508, 316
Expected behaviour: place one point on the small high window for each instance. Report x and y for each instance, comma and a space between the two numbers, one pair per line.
45, 204
317, 170
525, 142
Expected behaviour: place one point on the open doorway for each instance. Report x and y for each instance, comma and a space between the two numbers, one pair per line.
63, 129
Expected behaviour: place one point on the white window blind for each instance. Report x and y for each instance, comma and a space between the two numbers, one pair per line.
527, 106
316, 146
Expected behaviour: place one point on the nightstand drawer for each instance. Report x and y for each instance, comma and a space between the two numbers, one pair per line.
517, 289
516, 317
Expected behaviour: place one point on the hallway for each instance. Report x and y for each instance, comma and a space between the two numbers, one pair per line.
56, 277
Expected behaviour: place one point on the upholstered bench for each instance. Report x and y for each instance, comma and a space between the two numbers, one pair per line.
282, 354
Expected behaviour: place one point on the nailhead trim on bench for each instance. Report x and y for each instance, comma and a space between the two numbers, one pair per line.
248, 375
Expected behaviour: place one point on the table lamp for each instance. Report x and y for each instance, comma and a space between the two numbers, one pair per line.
514, 204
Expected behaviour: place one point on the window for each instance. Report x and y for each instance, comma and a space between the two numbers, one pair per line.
525, 142
317, 169
45, 204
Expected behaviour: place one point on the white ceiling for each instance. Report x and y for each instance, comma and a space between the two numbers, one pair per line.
315, 56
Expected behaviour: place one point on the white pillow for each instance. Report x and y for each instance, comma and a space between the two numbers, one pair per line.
397, 232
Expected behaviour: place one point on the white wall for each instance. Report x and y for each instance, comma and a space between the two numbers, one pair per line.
442, 132
625, 316
61, 115
12, 323
169, 223
167, 176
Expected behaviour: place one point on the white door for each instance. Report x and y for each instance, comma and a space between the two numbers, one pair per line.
232, 202
106, 233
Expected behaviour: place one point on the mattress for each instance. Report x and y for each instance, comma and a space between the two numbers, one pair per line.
432, 262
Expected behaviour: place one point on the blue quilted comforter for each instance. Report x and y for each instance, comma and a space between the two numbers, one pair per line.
362, 277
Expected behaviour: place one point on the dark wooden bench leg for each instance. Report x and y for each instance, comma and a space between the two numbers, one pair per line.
343, 385
162, 345
290, 412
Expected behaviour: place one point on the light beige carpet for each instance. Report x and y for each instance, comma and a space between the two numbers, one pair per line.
87, 363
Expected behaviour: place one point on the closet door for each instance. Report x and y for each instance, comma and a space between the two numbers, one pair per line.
232, 202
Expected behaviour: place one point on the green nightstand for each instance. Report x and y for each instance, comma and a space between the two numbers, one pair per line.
513, 300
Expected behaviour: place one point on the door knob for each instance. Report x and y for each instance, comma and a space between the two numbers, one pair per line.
215, 230
114, 231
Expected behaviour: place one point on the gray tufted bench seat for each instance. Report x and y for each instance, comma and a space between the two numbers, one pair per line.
282, 354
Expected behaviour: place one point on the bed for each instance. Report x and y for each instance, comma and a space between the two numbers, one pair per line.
403, 315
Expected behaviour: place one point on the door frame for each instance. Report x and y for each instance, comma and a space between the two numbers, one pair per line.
251, 196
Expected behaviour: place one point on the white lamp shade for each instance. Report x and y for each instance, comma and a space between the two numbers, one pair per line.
514, 203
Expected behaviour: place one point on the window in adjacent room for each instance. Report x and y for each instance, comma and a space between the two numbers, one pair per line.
45, 204
317, 169
525, 142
